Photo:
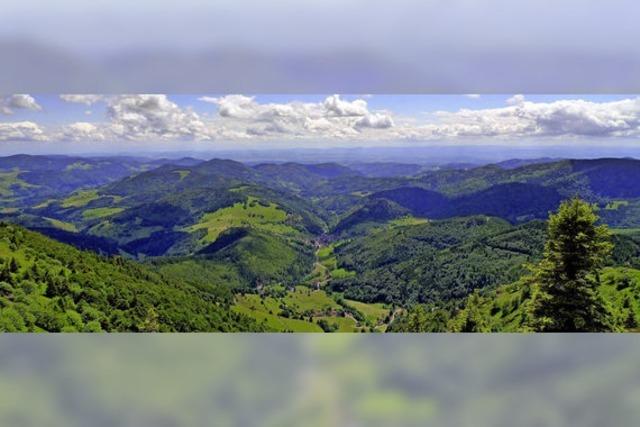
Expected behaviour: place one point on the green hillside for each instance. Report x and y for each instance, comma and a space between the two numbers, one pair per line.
250, 213
242, 258
436, 261
508, 307
49, 286
275, 240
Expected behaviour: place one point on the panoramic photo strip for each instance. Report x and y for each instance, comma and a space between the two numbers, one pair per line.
319, 213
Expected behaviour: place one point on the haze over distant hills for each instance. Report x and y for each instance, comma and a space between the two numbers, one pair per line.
432, 155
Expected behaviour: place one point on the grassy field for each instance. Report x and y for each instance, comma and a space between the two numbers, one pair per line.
44, 204
625, 231
304, 299
374, 313
614, 205
267, 310
9, 180
183, 173
301, 309
407, 220
78, 166
248, 214
79, 199
327, 259
100, 212
62, 225
342, 324
341, 273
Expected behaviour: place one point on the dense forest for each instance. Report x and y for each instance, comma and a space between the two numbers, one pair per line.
49, 286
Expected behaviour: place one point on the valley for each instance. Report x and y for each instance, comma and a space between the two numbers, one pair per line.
292, 247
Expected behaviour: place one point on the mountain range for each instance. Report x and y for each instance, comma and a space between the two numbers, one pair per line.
384, 235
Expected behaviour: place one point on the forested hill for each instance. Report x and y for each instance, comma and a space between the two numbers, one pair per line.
50, 286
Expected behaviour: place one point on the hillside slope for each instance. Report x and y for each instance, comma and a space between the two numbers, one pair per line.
50, 286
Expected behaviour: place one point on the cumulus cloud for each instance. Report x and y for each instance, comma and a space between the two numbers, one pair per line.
86, 99
83, 131
375, 121
338, 107
234, 106
141, 117
20, 101
333, 117
238, 117
21, 131
138, 117
522, 118
516, 100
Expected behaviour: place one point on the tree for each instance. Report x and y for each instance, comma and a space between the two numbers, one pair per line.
13, 265
417, 320
151, 322
473, 319
568, 275
326, 326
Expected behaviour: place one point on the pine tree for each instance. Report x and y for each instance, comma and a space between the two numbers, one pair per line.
568, 275
630, 321
5, 273
473, 319
13, 265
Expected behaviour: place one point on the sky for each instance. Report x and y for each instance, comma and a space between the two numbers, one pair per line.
160, 122
399, 26
327, 46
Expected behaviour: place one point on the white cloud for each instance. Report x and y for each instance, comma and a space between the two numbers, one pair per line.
516, 100
83, 131
239, 117
21, 131
375, 121
333, 117
341, 108
86, 99
473, 96
527, 119
20, 101
234, 106
139, 117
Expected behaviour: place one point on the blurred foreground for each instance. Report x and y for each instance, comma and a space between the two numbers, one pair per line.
287, 380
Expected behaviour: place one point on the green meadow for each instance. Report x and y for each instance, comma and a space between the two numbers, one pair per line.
251, 213
79, 199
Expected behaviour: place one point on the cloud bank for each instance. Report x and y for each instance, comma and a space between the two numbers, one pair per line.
8, 104
156, 117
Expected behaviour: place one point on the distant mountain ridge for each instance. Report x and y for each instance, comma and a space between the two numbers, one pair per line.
155, 208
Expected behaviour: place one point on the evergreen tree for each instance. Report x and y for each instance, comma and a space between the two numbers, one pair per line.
473, 319
13, 265
630, 321
568, 275
5, 273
